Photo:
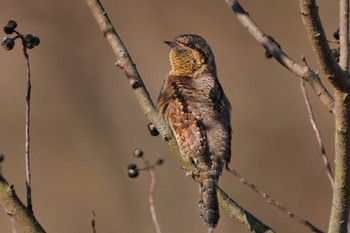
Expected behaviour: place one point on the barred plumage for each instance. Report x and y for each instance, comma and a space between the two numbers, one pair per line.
194, 105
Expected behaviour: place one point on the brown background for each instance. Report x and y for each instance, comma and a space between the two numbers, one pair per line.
86, 121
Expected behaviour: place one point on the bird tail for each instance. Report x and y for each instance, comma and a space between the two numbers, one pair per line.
208, 200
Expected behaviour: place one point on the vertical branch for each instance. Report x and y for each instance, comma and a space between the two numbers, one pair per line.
27, 145
341, 195
344, 34
318, 134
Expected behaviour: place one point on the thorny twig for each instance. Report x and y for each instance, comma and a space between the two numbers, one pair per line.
271, 201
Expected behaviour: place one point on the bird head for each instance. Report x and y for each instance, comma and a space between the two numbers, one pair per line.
190, 55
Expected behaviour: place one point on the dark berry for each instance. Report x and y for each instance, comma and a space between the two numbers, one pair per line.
336, 34
8, 43
152, 129
12, 24
36, 40
10, 27
28, 38
131, 166
8, 30
133, 173
138, 153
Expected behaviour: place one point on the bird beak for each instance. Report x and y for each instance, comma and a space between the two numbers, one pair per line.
171, 44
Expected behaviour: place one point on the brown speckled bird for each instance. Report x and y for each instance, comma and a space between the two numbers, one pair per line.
194, 105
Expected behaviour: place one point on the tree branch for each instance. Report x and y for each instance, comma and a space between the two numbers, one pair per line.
344, 34
270, 45
319, 43
239, 214
26, 221
339, 78
124, 61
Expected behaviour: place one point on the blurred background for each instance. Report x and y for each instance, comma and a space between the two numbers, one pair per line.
86, 121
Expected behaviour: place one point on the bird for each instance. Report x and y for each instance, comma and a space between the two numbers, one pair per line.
194, 105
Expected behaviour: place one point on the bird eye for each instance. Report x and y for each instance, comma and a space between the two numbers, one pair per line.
191, 46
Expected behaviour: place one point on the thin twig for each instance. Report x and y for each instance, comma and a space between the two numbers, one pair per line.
124, 61
27, 145
318, 134
272, 47
151, 191
27, 125
93, 222
271, 201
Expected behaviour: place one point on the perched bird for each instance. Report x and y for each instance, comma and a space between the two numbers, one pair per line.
194, 105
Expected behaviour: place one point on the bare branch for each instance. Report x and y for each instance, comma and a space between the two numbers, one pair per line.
339, 78
240, 215
344, 34
318, 134
124, 61
26, 221
271, 201
298, 69
320, 46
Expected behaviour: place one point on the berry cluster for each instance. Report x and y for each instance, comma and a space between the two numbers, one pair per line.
29, 41
133, 170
